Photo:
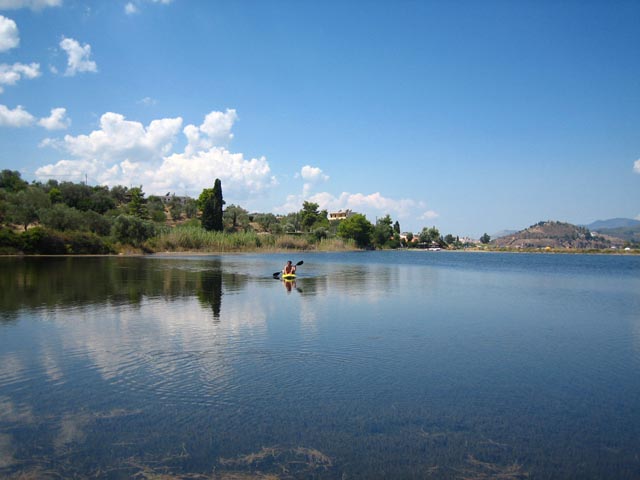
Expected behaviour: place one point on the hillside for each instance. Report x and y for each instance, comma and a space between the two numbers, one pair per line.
627, 234
557, 235
613, 223
503, 233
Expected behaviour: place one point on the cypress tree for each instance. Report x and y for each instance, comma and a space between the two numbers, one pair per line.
212, 211
218, 202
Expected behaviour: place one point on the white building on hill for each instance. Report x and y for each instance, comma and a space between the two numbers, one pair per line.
340, 214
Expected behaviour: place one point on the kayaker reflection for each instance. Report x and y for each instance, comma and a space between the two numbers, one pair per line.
289, 269
289, 284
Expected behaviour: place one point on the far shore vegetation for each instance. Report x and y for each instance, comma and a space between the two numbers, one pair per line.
58, 218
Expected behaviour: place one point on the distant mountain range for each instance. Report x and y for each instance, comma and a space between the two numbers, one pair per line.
626, 229
613, 223
503, 233
560, 235
616, 231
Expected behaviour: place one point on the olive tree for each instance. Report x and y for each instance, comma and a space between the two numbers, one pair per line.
356, 228
26, 205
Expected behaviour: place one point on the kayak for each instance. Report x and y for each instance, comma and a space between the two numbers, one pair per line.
282, 275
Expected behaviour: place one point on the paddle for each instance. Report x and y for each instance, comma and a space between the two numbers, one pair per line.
277, 274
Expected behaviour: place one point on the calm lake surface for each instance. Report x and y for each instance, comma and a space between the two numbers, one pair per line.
372, 365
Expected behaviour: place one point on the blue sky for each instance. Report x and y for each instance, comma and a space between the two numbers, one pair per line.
470, 116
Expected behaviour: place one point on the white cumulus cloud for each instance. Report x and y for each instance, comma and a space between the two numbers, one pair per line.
125, 152
12, 74
18, 117
130, 9
9, 36
215, 130
400, 207
313, 174
120, 152
58, 120
429, 215
636, 166
119, 139
372, 205
240, 177
217, 126
32, 4
77, 57
134, 6
147, 102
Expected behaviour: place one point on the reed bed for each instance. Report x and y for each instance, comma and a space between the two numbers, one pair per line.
291, 242
335, 244
193, 238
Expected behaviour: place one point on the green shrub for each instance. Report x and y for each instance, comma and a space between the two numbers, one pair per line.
133, 230
98, 224
86, 243
39, 240
61, 217
320, 233
10, 242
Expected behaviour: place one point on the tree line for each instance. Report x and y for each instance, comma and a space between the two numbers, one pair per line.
66, 217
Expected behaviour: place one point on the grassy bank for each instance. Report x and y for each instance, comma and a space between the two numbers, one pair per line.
193, 238
196, 239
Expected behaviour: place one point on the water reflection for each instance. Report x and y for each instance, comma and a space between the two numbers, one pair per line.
291, 285
210, 291
177, 367
50, 283
159, 349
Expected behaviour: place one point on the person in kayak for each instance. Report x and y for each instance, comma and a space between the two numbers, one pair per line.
289, 269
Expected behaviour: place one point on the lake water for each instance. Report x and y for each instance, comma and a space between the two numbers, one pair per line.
372, 365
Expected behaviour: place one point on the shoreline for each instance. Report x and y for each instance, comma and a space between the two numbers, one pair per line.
183, 253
